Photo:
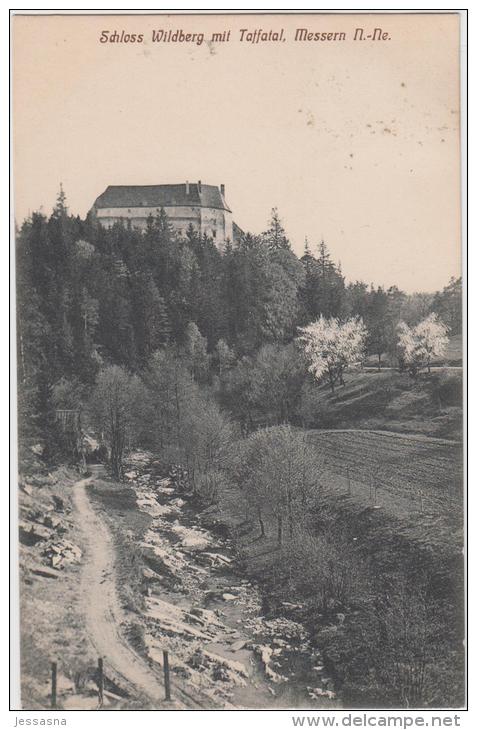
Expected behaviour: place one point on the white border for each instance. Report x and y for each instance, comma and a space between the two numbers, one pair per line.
200, 719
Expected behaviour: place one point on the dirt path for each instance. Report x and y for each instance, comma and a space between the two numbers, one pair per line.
223, 652
104, 614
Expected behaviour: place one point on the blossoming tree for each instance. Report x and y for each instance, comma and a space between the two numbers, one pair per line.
420, 344
331, 346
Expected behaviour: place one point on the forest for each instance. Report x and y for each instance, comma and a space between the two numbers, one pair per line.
89, 298
211, 360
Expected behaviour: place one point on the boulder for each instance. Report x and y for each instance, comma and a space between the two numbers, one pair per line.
52, 521
229, 597
62, 552
149, 574
45, 572
31, 534
58, 503
237, 645
317, 692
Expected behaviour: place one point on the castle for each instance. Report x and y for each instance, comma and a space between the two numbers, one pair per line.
203, 206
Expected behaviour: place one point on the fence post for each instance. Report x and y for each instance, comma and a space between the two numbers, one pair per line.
53, 684
100, 681
349, 480
167, 681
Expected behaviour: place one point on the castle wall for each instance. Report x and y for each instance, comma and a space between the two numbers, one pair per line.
180, 217
215, 223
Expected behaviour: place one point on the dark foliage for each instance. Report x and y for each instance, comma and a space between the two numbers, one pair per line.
154, 334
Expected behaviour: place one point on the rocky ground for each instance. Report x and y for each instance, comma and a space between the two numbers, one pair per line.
209, 616
50, 565
125, 571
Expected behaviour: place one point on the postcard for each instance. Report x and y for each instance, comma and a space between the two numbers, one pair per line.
238, 261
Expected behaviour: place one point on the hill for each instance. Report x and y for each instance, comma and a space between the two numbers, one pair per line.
429, 405
417, 480
453, 356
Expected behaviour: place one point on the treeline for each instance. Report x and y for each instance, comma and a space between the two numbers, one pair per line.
90, 297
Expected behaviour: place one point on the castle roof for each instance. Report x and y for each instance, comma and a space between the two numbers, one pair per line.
161, 196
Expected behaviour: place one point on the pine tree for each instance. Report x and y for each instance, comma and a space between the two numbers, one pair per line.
60, 210
323, 292
324, 260
275, 236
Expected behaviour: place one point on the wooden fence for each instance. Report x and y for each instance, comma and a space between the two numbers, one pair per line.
377, 491
100, 681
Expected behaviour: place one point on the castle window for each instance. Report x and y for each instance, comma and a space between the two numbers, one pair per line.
214, 233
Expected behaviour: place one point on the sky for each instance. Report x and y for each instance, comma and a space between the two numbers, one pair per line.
355, 142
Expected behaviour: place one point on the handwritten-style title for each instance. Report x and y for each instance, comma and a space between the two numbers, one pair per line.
244, 35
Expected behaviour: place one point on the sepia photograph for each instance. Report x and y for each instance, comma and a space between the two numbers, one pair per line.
238, 251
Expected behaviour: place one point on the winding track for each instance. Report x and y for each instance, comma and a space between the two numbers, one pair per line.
105, 616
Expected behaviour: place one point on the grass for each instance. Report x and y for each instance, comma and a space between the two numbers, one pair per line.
400, 520
453, 355
370, 548
410, 475
430, 404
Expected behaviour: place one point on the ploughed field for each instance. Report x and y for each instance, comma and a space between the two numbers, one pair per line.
402, 474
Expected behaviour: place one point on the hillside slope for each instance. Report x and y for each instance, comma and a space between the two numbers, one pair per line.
430, 405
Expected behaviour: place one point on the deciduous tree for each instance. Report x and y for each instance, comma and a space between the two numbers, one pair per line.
332, 346
419, 344
112, 406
